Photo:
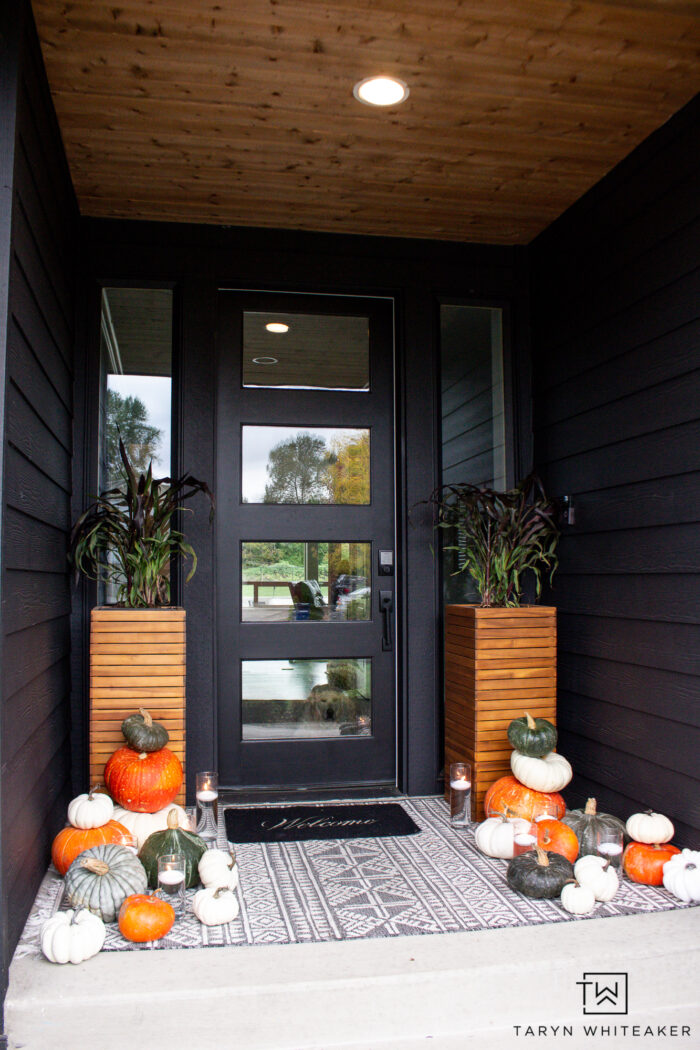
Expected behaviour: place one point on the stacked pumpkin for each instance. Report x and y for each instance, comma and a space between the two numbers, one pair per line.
513, 802
104, 881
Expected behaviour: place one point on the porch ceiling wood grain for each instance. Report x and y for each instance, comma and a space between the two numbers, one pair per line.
241, 112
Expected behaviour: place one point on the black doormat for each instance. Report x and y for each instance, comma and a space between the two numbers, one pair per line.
299, 823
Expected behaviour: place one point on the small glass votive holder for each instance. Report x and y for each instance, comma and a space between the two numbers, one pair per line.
524, 841
191, 815
546, 811
609, 846
128, 841
171, 880
207, 795
460, 794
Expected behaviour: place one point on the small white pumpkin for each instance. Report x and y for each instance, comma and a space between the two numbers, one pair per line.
682, 875
72, 936
215, 905
217, 867
495, 836
577, 899
596, 873
141, 825
649, 827
551, 773
92, 809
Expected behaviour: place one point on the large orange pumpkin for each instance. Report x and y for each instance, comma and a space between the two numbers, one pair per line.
71, 842
145, 917
508, 794
645, 863
143, 781
556, 837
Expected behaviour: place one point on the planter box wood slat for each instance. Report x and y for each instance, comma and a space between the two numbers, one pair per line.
498, 664
137, 659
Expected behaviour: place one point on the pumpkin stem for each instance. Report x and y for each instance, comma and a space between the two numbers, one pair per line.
546, 839
232, 855
96, 866
92, 791
143, 755
531, 724
542, 858
591, 807
221, 889
147, 720
172, 820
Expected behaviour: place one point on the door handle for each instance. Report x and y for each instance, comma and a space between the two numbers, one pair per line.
386, 607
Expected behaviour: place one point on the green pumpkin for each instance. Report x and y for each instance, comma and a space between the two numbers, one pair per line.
142, 733
588, 822
539, 874
173, 840
533, 737
100, 879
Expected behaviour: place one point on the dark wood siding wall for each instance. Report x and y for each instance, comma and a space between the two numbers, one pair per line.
616, 347
37, 449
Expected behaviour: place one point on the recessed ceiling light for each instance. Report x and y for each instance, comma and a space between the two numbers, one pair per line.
277, 326
381, 91
264, 360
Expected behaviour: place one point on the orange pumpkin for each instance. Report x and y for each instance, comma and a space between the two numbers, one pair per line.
556, 837
144, 781
645, 863
71, 842
508, 794
145, 917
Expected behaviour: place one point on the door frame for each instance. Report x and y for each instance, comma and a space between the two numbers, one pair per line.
279, 296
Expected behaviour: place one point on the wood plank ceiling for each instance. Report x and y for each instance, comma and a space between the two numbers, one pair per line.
241, 112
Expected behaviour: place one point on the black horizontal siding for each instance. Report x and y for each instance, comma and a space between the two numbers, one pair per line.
37, 482
616, 366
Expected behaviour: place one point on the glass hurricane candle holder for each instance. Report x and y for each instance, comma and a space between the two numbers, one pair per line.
171, 880
546, 811
460, 794
207, 795
609, 845
525, 840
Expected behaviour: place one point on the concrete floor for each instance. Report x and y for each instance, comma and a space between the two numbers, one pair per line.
400, 994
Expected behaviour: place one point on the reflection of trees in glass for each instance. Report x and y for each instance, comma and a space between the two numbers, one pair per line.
348, 469
128, 416
297, 469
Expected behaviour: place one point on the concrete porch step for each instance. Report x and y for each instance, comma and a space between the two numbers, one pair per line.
394, 994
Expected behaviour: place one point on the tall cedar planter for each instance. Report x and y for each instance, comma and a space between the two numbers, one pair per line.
137, 659
499, 663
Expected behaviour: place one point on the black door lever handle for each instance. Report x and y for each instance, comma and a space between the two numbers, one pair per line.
386, 606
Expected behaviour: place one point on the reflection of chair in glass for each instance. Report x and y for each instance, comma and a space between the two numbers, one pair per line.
308, 600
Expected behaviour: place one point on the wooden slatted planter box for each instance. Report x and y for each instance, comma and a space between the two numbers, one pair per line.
498, 664
137, 659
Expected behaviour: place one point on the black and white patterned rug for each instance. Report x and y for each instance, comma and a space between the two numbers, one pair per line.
333, 890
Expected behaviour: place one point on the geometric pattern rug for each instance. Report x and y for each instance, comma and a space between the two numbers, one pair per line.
434, 882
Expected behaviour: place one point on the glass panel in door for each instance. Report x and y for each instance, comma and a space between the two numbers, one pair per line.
305, 519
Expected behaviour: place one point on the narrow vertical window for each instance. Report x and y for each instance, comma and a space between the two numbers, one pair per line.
473, 413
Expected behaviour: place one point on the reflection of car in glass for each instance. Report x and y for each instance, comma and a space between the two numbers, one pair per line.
345, 585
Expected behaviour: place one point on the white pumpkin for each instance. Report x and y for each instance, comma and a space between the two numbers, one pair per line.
72, 936
217, 867
682, 875
597, 874
92, 809
141, 825
579, 900
649, 827
551, 773
215, 905
494, 836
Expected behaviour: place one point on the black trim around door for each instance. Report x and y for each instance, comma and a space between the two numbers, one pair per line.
344, 761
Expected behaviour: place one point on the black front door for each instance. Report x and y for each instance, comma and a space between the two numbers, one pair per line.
305, 541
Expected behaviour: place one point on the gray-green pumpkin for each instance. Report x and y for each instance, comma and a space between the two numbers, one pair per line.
173, 840
533, 737
142, 733
100, 879
538, 873
588, 822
